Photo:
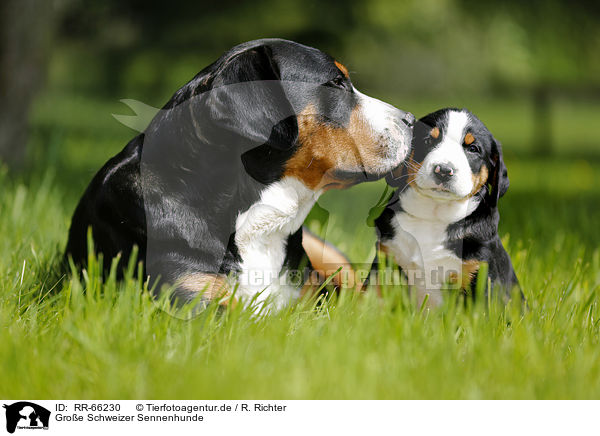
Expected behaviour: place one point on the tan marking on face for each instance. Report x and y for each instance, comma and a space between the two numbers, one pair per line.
211, 286
435, 133
342, 68
469, 139
325, 148
479, 180
413, 168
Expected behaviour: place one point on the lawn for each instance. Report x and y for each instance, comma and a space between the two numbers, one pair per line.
114, 341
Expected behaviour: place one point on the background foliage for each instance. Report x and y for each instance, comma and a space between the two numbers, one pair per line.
529, 70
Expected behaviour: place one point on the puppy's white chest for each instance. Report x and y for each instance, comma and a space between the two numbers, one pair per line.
419, 248
421, 244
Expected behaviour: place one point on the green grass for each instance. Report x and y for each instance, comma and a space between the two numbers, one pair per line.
114, 341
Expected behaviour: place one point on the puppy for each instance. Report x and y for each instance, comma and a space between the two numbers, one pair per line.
215, 190
442, 221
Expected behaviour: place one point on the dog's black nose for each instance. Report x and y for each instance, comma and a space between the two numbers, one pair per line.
443, 172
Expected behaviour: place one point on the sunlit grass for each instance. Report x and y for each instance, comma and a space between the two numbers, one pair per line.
75, 337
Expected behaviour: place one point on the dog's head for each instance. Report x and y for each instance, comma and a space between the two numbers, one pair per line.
295, 112
454, 157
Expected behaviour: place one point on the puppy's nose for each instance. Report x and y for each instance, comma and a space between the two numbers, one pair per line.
408, 119
442, 172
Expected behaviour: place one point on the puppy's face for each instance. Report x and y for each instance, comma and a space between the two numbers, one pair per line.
454, 156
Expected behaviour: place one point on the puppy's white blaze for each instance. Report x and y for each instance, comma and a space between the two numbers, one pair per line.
383, 120
449, 151
261, 236
457, 122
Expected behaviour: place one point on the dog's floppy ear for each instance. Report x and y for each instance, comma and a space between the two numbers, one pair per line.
247, 100
498, 182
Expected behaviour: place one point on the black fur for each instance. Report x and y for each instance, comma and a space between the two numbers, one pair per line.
175, 191
476, 236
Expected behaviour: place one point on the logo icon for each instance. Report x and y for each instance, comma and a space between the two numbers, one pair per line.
26, 415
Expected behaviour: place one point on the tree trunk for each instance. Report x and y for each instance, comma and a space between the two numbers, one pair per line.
25, 30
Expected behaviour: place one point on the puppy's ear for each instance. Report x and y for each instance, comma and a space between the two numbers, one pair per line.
247, 100
498, 182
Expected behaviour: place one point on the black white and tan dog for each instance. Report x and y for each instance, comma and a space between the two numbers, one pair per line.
442, 221
215, 190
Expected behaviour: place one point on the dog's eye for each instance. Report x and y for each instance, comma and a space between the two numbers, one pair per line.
474, 148
340, 82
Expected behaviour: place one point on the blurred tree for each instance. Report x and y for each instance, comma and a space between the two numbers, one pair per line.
542, 47
454, 48
25, 28
436, 50
139, 46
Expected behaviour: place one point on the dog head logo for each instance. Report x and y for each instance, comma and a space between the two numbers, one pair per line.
26, 415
